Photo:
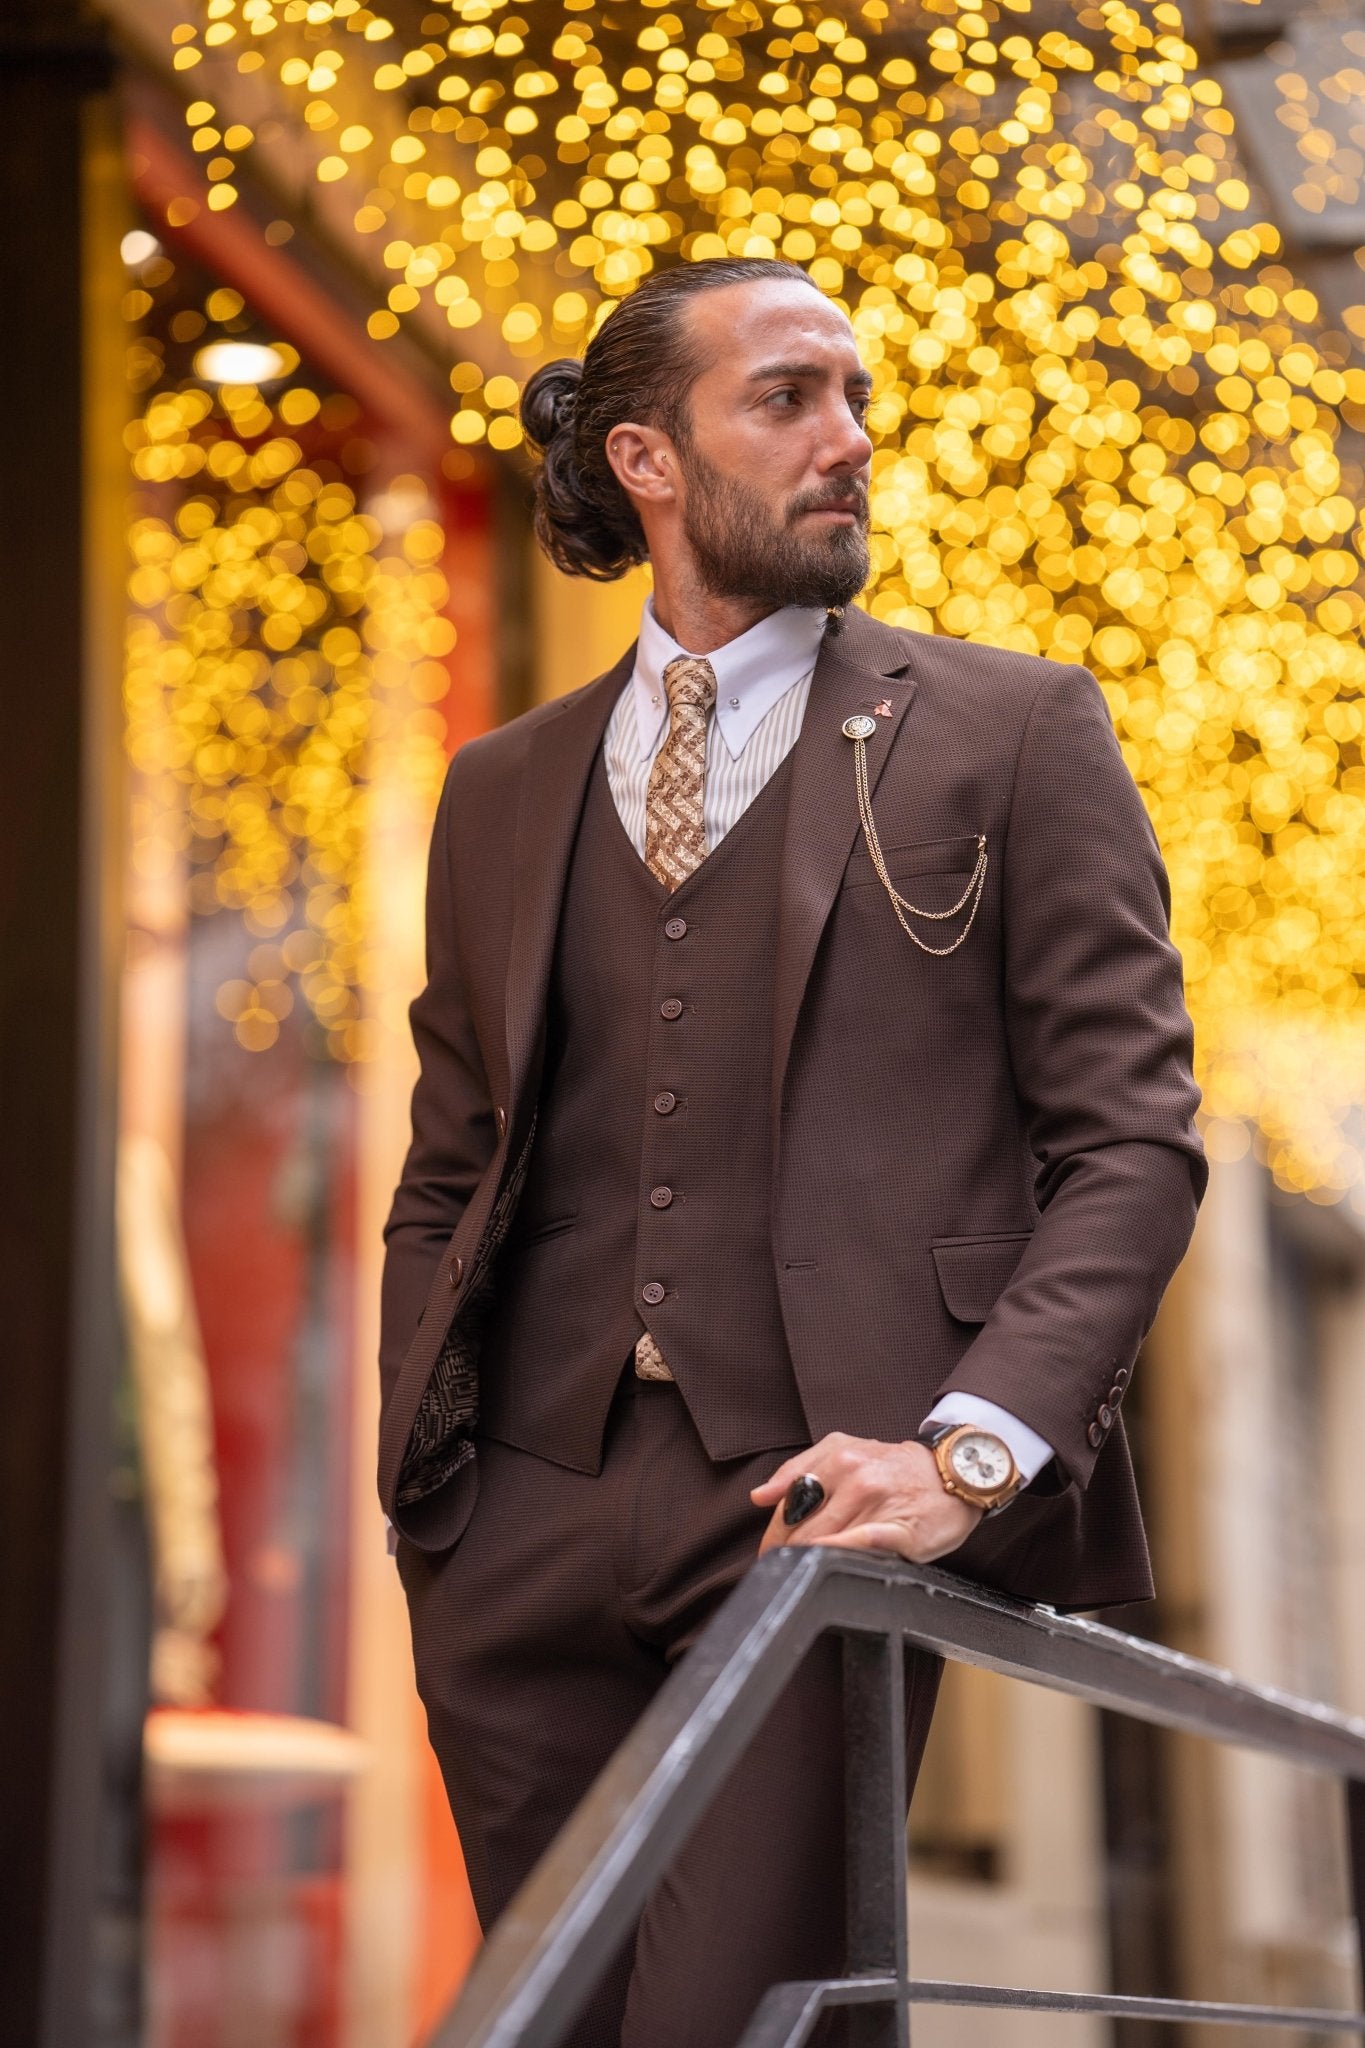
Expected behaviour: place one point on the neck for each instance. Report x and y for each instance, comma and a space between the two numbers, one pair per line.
695, 617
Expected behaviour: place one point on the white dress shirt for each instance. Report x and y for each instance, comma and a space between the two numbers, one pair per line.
762, 683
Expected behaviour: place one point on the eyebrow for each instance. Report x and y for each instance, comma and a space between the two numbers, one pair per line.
808, 371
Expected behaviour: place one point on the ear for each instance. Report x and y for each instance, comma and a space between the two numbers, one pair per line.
645, 464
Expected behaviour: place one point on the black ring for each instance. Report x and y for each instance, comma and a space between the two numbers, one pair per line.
802, 1498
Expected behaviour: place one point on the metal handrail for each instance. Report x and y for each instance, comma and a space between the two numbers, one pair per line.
559, 1933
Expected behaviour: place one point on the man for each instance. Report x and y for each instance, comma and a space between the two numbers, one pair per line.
805, 1090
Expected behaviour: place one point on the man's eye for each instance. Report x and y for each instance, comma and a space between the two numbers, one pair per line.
780, 399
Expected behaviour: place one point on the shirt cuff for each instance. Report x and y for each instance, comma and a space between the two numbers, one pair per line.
1029, 1451
391, 1534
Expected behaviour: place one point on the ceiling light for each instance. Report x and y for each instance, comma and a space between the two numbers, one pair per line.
239, 362
138, 247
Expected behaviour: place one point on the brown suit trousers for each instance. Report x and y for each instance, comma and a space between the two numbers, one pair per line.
541, 1638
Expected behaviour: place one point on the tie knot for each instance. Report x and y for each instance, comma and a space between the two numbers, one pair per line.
691, 681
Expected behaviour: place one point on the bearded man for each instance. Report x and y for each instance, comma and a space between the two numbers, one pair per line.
805, 1090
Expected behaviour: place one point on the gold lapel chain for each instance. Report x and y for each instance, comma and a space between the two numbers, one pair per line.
859, 729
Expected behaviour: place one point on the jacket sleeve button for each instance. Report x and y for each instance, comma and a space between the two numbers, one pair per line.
456, 1270
1094, 1436
1105, 1417
1115, 1394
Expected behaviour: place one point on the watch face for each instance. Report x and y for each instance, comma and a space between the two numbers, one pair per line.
981, 1460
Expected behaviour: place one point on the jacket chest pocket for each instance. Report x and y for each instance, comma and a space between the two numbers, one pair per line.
946, 857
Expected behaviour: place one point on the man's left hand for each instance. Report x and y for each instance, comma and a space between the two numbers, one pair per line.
877, 1497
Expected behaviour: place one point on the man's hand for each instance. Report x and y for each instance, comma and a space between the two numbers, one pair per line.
877, 1497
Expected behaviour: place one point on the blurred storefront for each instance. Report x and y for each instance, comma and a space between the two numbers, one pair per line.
307, 576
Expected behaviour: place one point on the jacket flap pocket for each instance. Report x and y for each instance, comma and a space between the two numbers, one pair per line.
974, 1272
924, 857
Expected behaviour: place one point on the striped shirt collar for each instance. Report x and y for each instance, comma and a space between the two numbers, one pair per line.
752, 673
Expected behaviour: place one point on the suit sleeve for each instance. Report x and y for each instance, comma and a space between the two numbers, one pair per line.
453, 1137
1101, 1046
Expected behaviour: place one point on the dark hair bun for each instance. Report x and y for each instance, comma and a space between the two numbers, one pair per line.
583, 519
547, 402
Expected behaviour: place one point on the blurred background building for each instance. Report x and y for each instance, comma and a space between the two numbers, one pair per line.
277, 268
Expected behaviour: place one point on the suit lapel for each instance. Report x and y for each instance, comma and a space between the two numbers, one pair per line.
553, 786
856, 671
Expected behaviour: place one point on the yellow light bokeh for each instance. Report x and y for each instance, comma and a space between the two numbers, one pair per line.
1107, 417
276, 635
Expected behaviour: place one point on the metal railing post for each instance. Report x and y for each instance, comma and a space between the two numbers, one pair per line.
1354, 1789
874, 1780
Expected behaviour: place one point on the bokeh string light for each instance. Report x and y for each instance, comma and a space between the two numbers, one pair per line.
1107, 418
277, 637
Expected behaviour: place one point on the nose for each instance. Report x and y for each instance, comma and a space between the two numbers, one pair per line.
848, 447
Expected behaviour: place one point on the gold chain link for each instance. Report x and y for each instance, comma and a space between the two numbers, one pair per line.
900, 904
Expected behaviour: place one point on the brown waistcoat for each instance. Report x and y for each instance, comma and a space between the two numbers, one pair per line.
647, 1195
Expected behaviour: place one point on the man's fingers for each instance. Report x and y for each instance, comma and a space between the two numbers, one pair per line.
812, 1460
773, 1488
873, 1536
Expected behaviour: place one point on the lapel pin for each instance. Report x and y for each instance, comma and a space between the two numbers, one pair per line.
883, 710
859, 727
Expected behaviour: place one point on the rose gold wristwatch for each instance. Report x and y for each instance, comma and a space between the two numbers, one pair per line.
974, 1464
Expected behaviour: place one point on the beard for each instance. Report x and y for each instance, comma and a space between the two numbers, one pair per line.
743, 552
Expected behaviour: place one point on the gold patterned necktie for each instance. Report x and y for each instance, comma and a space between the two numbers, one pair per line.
675, 833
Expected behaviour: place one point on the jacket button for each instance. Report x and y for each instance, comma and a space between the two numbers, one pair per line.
675, 928
500, 1119
1105, 1417
665, 1101
1094, 1436
456, 1270
661, 1197
670, 1008
652, 1292
1115, 1394
1122, 1376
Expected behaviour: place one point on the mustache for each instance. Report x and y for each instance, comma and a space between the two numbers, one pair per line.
847, 495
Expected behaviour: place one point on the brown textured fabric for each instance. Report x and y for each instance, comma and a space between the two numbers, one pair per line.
675, 835
983, 1169
539, 1640
624, 1196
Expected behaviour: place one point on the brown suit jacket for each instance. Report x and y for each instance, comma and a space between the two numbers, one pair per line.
985, 1166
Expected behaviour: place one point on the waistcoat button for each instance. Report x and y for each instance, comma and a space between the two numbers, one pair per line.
665, 1101
675, 928
661, 1197
653, 1292
670, 1007
456, 1270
